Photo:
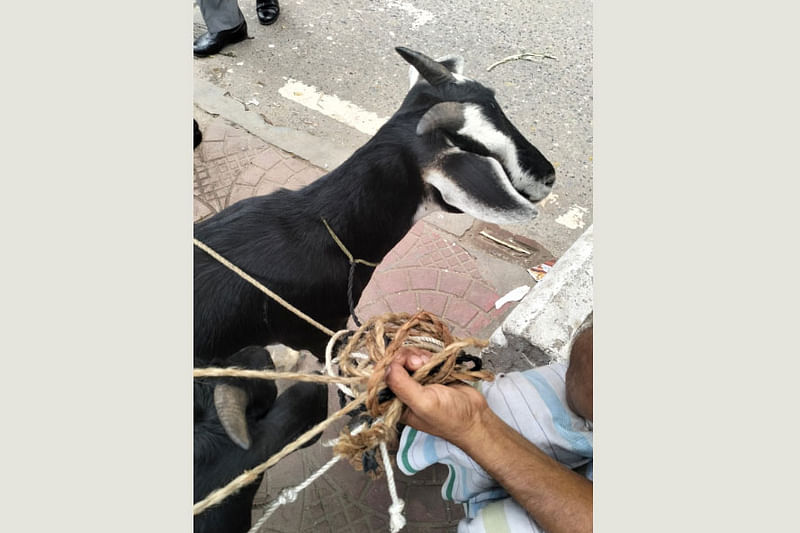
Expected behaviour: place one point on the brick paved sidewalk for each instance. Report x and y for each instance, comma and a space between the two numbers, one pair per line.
429, 269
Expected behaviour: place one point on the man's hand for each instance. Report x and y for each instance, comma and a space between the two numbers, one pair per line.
451, 412
557, 498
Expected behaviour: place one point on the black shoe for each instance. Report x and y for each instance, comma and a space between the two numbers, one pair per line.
198, 135
267, 11
211, 43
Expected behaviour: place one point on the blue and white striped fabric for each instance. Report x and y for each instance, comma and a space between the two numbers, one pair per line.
534, 404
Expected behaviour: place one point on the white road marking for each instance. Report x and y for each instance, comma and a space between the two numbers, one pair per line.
332, 106
421, 16
573, 218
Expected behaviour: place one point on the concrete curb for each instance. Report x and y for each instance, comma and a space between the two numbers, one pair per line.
540, 329
319, 152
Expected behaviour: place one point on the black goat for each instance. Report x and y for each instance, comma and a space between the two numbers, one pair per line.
449, 146
239, 424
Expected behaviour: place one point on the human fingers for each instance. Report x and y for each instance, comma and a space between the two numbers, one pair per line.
403, 385
414, 358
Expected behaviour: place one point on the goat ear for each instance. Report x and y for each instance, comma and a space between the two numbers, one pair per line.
453, 63
447, 115
434, 72
478, 186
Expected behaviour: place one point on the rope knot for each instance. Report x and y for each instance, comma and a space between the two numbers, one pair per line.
371, 349
396, 519
287, 496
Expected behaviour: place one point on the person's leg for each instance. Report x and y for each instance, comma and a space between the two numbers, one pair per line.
225, 23
221, 15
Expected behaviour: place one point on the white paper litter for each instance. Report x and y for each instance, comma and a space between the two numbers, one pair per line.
514, 295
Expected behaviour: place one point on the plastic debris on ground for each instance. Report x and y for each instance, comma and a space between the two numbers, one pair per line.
538, 272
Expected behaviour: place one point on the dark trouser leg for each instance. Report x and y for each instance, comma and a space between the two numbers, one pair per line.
220, 15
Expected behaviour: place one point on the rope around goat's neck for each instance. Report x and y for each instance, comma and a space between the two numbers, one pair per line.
353, 261
344, 249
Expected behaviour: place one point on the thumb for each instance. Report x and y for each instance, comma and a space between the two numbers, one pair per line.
403, 385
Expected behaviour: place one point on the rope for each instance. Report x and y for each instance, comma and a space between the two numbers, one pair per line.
269, 374
396, 519
329, 362
351, 306
350, 274
344, 249
248, 476
262, 288
290, 495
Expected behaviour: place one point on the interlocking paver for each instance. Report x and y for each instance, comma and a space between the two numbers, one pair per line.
267, 159
252, 175
212, 150
295, 164
481, 295
432, 301
279, 173
460, 312
453, 282
304, 177
423, 278
392, 281
403, 302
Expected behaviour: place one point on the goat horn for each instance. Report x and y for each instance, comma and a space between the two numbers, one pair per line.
447, 115
433, 71
231, 403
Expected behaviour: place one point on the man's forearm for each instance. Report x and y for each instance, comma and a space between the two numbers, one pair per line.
557, 498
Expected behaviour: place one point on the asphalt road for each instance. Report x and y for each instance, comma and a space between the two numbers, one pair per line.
337, 56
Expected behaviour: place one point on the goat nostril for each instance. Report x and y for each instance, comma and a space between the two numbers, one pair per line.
550, 179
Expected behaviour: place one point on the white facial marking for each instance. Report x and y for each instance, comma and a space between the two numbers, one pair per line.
477, 127
413, 77
457, 197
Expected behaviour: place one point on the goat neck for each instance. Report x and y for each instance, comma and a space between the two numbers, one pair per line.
370, 199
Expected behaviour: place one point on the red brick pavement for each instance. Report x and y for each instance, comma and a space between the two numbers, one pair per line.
231, 164
430, 270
